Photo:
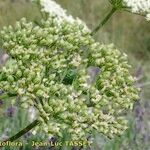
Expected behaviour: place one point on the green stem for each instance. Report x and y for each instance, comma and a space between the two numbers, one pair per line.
23, 131
103, 21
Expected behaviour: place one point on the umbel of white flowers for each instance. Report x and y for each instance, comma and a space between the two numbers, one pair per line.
48, 70
52, 8
136, 6
139, 6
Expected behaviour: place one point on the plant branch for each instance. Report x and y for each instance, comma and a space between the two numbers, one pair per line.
23, 131
113, 10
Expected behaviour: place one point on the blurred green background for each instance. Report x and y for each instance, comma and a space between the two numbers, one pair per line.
130, 33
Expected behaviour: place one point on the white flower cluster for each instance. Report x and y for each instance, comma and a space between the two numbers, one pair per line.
139, 6
52, 8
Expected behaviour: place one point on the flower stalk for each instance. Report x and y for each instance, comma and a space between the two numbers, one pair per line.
23, 131
113, 10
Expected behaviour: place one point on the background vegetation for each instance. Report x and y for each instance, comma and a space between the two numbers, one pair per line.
130, 33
